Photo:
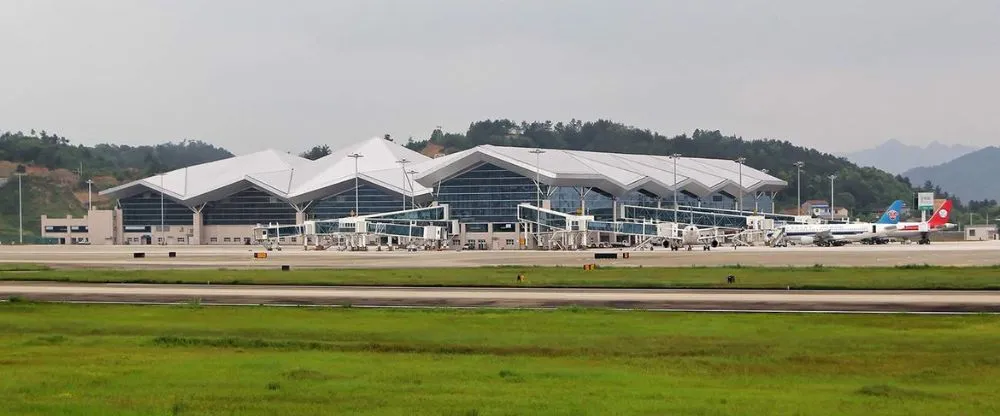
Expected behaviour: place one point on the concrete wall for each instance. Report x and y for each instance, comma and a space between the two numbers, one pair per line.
218, 234
173, 234
100, 227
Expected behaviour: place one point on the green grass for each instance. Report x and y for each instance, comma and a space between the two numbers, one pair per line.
818, 277
165, 360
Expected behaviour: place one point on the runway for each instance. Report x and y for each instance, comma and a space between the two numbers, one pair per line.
943, 253
734, 300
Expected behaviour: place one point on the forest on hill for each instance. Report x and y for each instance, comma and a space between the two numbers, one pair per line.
39, 148
860, 189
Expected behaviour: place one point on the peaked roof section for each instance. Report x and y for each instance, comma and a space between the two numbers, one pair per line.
298, 180
614, 173
267, 169
292, 178
378, 165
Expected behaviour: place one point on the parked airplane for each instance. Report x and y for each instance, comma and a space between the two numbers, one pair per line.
691, 236
840, 234
891, 214
922, 230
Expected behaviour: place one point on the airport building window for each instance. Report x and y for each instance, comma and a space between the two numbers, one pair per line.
180, 239
510, 241
144, 210
227, 240
249, 206
214, 240
294, 239
477, 228
371, 200
506, 227
486, 193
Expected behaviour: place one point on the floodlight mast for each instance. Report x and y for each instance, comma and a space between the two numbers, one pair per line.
740, 160
674, 157
798, 184
538, 184
356, 156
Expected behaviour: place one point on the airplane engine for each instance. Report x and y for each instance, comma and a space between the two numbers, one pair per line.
807, 240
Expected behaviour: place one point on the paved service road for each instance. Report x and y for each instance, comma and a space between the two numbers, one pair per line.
945, 254
912, 301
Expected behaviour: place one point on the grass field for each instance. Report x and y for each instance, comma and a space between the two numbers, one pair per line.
903, 277
179, 360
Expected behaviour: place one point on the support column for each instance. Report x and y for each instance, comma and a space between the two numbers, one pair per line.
196, 223
300, 217
118, 233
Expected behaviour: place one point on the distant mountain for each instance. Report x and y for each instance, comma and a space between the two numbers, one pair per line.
896, 157
970, 177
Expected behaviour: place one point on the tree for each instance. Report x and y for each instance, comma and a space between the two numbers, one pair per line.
316, 152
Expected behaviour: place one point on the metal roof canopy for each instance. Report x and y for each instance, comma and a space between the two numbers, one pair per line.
617, 174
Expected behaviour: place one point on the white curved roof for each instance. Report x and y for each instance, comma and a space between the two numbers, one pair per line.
298, 180
291, 178
615, 173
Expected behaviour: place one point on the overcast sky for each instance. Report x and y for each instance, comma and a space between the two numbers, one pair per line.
248, 75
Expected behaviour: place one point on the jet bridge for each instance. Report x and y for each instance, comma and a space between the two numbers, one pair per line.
427, 226
550, 229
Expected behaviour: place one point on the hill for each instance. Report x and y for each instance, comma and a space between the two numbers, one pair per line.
57, 172
41, 195
970, 177
861, 189
124, 162
896, 157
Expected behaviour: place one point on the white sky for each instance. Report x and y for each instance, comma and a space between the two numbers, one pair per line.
248, 75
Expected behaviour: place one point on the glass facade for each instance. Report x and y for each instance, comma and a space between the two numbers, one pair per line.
487, 193
144, 209
371, 200
423, 214
249, 206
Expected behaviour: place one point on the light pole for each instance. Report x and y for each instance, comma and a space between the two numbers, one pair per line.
90, 204
798, 184
20, 212
740, 160
163, 239
356, 156
756, 196
538, 185
674, 157
402, 165
409, 181
832, 177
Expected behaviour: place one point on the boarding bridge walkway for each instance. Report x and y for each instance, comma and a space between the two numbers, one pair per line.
427, 223
555, 229
687, 215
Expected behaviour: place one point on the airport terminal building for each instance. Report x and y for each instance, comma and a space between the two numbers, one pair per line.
220, 202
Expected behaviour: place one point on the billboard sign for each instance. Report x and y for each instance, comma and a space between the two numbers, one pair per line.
925, 201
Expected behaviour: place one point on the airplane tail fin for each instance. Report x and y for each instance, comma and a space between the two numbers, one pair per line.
940, 217
891, 214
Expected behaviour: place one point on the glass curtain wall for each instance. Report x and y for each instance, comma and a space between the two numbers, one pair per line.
249, 206
487, 193
371, 200
144, 209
